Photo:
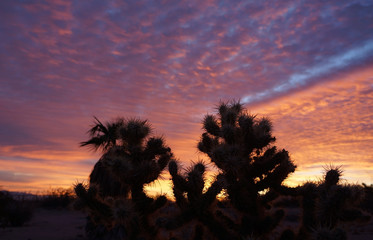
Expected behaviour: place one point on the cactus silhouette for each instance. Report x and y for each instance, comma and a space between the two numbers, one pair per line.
338, 203
251, 172
240, 145
195, 203
115, 198
326, 204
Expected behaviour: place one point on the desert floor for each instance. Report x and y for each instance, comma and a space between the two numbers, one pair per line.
48, 225
69, 225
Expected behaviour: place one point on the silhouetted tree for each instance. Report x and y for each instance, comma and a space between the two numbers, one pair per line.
240, 145
115, 198
251, 172
104, 137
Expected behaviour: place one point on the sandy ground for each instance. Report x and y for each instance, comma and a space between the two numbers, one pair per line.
48, 225
69, 225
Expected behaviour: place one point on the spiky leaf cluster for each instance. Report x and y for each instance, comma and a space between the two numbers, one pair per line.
103, 135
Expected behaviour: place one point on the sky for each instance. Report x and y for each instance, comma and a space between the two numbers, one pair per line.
306, 65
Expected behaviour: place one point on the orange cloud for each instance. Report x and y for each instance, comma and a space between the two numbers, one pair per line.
329, 123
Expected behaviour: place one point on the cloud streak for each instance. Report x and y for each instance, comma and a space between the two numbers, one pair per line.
333, 64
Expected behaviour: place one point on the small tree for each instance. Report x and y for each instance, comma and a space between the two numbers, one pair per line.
115, 199
241, 146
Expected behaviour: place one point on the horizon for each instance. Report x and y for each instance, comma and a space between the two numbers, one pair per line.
308, 66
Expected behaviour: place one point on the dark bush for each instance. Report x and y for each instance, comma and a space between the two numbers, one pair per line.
367, 203
13, 212
58, 198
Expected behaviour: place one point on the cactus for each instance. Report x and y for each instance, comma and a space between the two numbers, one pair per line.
338, 203
115, 198
240, 145
327, 204
251, 174
195, 203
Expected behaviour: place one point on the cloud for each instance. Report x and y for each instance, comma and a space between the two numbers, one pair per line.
169, 61
333, 64
7, 176
329, 123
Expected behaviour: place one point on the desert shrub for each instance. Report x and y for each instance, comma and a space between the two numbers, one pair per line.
13, 212
326, 205
57, 198
367, 203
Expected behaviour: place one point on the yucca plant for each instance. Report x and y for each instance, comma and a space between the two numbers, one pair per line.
251, 172
241, 146
196, 203
115, 198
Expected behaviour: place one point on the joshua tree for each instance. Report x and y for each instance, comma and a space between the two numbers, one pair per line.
240, 145
115, 198
104, 137
251, 173
195, 203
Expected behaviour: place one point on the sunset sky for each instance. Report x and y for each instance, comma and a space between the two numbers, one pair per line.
307, 65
